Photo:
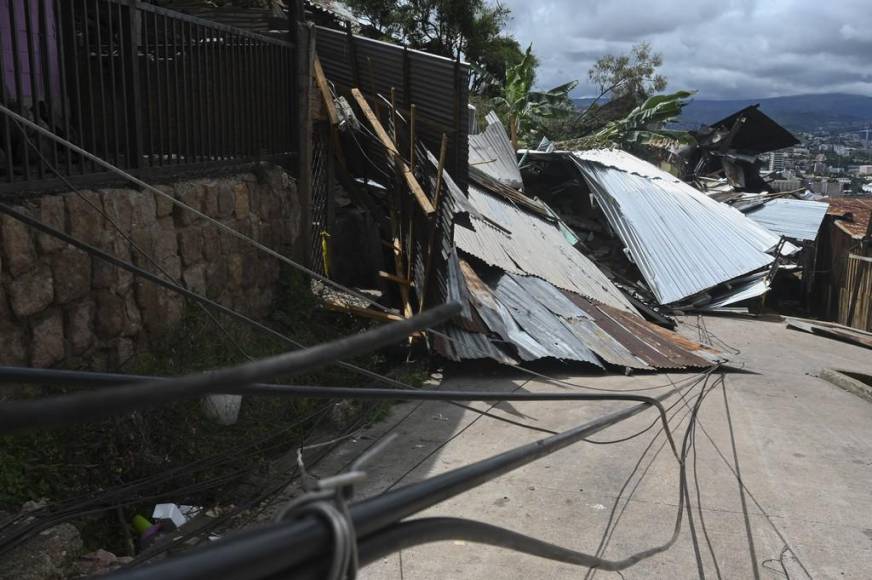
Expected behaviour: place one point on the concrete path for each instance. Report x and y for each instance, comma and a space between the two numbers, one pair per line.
803, 448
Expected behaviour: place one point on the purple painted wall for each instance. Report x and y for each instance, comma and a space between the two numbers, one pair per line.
12, 12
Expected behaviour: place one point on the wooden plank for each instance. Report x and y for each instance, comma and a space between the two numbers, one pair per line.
363, 312
394, 154
394, 278
326, 94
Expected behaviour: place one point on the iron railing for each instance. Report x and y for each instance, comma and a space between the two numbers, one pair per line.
150, 90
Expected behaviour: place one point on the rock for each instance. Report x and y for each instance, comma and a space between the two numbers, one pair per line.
226, 200
216, 278
191, 245
12, 351
144, 210
47, 341
80, 326
71, 269
132, 316
167, 245
86, 223
18, 248
243, 207
163, 205
190, 193
110, 314
48, 556
52, 213
125, 349
211, 243
118, 205
31, 292
234, 271
195, 278
210, 201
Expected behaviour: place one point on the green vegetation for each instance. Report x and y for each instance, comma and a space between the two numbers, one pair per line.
85, 460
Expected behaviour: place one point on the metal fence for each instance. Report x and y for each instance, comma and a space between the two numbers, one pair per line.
148, 89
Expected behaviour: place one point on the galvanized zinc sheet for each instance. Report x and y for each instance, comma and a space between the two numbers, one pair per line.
519, 242
682, 241
492, 152
795, 219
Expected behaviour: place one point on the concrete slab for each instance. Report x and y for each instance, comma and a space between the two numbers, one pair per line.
803, 448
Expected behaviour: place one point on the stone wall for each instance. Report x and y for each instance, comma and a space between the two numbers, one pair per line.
58, 304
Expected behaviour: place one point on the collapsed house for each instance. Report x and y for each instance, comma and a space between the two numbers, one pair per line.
659, 236
528, 293
725, 157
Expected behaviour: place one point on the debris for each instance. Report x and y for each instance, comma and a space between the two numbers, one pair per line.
171, 515
832, 330
50, 554
794, 219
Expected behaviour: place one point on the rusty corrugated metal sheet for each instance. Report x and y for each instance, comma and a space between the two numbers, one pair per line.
860, 210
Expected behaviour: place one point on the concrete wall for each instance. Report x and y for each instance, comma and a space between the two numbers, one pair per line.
57, 303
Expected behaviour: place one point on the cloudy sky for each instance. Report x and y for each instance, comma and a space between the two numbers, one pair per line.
722, 48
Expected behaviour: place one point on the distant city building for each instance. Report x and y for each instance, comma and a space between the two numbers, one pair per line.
819, 168
864, 170
828, 186
836, 170
776, 161
782, 185
842, 150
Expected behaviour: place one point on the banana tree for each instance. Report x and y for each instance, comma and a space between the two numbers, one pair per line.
521, 105
642, 126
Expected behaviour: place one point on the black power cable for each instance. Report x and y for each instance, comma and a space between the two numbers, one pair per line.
95, 404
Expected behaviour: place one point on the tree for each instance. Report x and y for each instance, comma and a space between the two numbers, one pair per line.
634, 74
521, 106
642, 127
472, 28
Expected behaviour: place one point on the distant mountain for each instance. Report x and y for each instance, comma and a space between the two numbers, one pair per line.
797, 113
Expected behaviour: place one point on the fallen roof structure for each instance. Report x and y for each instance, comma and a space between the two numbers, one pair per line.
530, 294
795, 219
683, 242
725, 156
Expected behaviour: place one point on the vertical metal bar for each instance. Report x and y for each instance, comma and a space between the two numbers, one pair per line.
247, 113
7, 126
147, 126
134, 80
161, 70
47, 85
113, 84
204, 97
92, 128
182, 89
62, 74
234, 94
125, 67
208, 96
104, 152
197, 120
178, 54
19, 83
34, 84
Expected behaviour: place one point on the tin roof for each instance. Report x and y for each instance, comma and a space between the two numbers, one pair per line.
682, 241
792, 218
491, 152
860, 210
516, 241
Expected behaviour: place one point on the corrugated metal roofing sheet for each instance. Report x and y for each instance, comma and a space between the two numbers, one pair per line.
792, 218
491, 152
682, 241
860, 210
515, 241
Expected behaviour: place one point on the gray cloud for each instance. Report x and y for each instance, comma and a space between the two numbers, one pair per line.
722, 48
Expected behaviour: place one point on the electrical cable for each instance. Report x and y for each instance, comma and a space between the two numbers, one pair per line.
90, 405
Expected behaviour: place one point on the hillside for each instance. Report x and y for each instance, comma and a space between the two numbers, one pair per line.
798, 112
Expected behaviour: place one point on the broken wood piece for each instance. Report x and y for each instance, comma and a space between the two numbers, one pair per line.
326, 94
364, 312
394, 154
394, 278
434, 224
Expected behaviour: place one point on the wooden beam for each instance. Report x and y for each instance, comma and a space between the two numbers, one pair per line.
363, 312
394, 154
326, 94
394, 278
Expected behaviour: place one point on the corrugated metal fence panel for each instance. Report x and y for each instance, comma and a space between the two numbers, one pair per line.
492, 152
436, 85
